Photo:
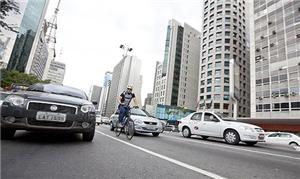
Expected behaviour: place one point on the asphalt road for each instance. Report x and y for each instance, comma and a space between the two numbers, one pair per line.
44, 155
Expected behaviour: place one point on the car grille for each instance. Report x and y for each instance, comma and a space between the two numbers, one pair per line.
46, 107
151, 123
149, 129
34, 122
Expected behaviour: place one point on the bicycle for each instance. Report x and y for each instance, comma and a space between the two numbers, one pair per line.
128, 127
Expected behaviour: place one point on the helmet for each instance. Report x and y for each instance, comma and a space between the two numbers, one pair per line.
129, 87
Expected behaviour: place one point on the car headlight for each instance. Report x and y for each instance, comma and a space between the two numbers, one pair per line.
249, 129
15, 100
138, 121
87, 108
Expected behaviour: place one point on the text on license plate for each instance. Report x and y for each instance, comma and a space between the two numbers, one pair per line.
49, 116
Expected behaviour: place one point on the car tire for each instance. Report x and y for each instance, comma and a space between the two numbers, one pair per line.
112, 128
293, 144
204, 137
186, 132
7, 133
88, 136
231, 137
251, 143
155, 134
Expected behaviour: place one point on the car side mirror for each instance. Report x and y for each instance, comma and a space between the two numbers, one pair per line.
94, 102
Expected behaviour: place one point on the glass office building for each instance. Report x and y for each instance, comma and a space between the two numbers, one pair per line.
29, 30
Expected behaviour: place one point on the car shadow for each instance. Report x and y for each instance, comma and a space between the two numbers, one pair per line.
46, 137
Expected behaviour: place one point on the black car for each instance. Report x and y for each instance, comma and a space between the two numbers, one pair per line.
48, 107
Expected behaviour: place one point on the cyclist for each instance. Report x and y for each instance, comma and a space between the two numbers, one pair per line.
124, 103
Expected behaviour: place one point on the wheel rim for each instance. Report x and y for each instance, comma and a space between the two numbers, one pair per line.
186, 132
230, 137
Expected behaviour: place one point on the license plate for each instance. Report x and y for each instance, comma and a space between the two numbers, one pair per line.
49, 116
151, 128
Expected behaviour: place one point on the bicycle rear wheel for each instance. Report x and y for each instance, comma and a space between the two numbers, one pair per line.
118, 129
129, 128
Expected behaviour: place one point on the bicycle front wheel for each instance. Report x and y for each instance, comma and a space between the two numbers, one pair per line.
129, 128
118, 129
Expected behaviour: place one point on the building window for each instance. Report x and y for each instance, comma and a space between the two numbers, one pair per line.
226, 80
218, 56
218, 89
226, 97
226, 88
209, 81
208, 89
217, 80
216, 105
218, 64
209, 73
218, 72
225, 106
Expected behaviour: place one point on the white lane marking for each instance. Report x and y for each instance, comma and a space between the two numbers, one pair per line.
229, 147
185, 165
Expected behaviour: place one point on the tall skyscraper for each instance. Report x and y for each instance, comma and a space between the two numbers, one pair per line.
275, 58
27, 39
148, 99
105, 93
176, 79
95, 94
56, 72
126, 72
225, 27
41, 55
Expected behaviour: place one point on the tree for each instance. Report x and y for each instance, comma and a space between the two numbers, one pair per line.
14, 77
7, 6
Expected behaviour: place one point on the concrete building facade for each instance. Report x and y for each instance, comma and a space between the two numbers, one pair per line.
56, 72
176, 79
126, 72
275, 58
95, 94
225, 28
41, 54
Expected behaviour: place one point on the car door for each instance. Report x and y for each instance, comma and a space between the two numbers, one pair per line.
284, 138
272, 138
210, 125
194, 123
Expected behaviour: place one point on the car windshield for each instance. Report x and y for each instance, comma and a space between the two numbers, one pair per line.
58, 89
137, 112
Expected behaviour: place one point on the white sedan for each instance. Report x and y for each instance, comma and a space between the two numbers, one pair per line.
282, 138
209, 124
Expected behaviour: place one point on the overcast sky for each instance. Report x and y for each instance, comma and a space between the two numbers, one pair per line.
90, 32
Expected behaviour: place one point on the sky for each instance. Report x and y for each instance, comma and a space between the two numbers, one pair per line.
90, 32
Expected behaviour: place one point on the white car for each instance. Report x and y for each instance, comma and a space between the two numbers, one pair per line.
142, 122
282, 138
98, 119
209, 124
105, 120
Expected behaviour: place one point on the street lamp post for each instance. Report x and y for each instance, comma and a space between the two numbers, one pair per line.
126, 50
232, 86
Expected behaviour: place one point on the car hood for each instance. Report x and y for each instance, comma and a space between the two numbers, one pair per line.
144, 118
41, 96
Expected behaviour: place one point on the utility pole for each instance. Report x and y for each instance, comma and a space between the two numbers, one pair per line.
232, 87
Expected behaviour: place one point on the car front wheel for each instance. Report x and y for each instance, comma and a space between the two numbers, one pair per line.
231, 137
112, 128
7, 133
186, 132
88, 136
